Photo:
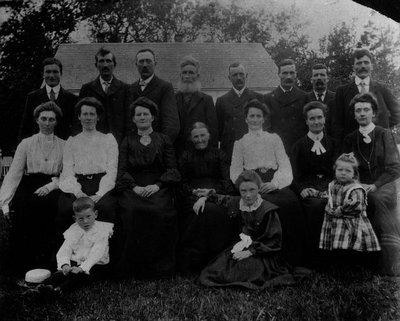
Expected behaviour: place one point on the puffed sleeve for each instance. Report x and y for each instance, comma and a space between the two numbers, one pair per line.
68, 182
100, 248
237, 161
226, 184
171, 173
283, 176
65, 252
354, 205
107, 182
124, 180
271, 239
14, 176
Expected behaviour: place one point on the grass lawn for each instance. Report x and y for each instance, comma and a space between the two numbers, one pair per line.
341, 293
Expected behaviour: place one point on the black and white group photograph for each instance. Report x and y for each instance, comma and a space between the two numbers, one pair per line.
202, 160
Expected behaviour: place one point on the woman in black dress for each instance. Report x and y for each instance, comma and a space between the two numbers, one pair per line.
377, 153
203, 168
312, 163
148, 224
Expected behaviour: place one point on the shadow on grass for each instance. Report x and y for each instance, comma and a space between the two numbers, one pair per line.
341, 293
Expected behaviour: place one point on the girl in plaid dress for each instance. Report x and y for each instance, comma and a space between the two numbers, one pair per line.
346, 226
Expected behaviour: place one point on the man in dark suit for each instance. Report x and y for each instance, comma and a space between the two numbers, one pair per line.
231, 119
112, 93
388, 114
286, 105
52, 90
320, 92
193, 105
159, 91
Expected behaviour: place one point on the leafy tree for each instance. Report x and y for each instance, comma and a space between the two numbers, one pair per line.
33, 32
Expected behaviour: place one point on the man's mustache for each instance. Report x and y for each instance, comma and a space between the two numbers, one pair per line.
319, 82
289, 81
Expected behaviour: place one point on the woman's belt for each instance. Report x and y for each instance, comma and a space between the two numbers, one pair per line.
89, 176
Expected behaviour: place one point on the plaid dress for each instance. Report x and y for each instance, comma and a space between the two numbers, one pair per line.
346, 225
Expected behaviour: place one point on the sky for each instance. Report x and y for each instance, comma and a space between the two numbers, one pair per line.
323, 15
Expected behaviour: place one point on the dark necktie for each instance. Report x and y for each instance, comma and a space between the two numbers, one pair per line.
52, 95
319, 97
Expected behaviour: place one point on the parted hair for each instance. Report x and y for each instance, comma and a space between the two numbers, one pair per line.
255, 103
314, 105
361, 52
52, 61
248, 176
48, 106
82, 204
89, 101
365, 98
143, 102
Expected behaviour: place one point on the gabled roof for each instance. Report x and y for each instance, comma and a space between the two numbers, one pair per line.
214, 58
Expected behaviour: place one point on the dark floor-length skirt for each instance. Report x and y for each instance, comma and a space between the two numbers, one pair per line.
384, 213
106, 206
294, 230
254, 272
33, 233
202, 236
314, 210
148, 235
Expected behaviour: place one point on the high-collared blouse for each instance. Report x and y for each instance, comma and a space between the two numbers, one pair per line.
36, 154
89, 154
257, 150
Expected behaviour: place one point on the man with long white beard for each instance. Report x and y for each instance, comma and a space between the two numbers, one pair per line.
193, 105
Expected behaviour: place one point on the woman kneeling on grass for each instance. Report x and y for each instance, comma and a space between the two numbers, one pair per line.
84, 254
346, 225
254, 261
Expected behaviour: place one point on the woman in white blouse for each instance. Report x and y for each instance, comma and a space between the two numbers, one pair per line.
264, 152
30, 188
89, 166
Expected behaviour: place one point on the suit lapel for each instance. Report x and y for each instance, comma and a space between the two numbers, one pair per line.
150, 86
43, 95
96, 86
196, 98
114, 86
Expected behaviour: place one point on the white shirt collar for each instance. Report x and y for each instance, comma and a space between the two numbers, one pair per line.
367, 129
322, 95
102, 81
317, 147
286, 90
244, 208
145, 82
239, 92
56, 89
358, 80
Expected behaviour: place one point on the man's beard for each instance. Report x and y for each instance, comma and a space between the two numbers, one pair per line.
189, 88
